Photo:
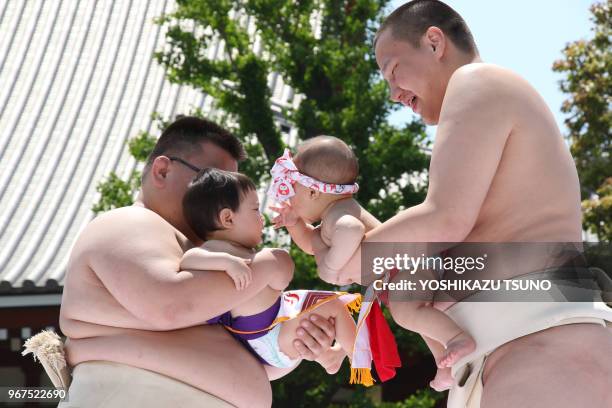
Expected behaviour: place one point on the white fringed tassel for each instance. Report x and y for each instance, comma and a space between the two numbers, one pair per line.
48, 348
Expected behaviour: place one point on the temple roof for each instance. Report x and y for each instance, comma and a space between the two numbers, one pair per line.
77, 81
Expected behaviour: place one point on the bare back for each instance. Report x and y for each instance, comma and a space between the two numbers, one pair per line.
100, 327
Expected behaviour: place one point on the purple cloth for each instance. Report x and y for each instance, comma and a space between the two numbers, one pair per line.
224, 319
257, 321
254, 322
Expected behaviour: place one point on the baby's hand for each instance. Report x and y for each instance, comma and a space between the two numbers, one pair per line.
287, 216
240, 273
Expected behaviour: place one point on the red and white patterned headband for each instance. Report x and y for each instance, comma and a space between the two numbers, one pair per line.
285, 174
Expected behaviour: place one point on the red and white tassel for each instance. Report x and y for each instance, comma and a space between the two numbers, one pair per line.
374, 343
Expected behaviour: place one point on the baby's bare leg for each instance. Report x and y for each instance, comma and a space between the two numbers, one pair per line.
459, 346
421, 317
443, 379
435, 347
345, 327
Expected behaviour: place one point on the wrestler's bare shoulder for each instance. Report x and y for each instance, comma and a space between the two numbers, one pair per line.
485, 74
499, 85
128, 223
128, 217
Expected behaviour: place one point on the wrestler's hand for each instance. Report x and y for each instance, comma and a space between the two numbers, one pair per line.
332, 359
240, 272
286, 217
314, 337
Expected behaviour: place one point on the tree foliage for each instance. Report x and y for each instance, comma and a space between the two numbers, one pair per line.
322, 49
587, 65
598, 211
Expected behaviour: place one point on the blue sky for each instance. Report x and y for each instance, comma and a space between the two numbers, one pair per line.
526, 36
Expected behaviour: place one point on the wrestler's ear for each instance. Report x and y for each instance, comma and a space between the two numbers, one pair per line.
435, 41
226, 218
314, 194
159, 171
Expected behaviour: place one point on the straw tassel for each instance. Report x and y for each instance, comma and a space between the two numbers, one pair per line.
362, 376
48, 348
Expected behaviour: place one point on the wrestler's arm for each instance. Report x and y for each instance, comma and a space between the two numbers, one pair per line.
202, 259
474, 124
282, 274
314, 347
137, 269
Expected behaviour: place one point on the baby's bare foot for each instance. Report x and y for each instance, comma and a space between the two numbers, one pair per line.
459, 346
443, 380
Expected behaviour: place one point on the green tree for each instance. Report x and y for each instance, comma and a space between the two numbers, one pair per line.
598, 212
587, 65
322, 49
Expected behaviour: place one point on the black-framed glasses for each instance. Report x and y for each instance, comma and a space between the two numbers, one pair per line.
186, 163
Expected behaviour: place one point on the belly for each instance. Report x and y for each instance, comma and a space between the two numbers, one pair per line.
515, 242
205, 357
575, 348
522, 208
508, 222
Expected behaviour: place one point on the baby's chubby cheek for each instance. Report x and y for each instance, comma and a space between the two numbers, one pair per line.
296, 205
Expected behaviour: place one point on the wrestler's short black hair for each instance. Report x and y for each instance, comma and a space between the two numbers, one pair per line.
410, 21
208, 193
186, 133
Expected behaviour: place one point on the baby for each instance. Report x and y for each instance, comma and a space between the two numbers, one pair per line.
317, 185
223, 208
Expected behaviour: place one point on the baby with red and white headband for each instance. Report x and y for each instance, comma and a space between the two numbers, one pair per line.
318, 184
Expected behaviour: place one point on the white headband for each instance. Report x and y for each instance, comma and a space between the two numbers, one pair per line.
285, 174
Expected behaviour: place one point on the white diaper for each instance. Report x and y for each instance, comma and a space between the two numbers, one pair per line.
293, 304
267, 347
